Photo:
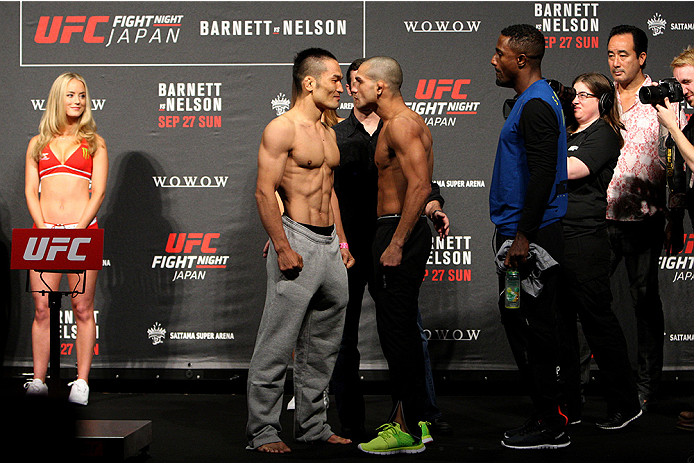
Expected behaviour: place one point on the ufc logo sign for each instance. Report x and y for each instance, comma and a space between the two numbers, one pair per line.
436, 88
64, 30
57, 249
186, 242
48, 248
688, 244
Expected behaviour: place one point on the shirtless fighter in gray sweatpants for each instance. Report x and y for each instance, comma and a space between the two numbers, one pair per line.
307, 262
306, 313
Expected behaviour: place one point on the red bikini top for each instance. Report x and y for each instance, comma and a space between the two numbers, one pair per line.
78, 164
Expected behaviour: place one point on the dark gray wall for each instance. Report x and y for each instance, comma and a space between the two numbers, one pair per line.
181, 172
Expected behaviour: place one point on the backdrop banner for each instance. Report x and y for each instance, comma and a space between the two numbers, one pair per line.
181, 92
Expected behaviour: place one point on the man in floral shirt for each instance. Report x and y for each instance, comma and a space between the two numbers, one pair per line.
636, 201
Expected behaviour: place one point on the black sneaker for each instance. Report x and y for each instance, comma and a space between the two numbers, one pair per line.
537, 436
648, 403
440, 427
514, 431
618, 420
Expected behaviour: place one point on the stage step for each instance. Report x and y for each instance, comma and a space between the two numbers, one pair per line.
112, 439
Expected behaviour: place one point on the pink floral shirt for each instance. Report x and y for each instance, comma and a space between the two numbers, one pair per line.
637, 189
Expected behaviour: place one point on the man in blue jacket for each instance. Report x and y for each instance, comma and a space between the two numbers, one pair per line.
527, 200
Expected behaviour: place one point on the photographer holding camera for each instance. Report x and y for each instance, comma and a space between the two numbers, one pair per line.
636, 203
672, 118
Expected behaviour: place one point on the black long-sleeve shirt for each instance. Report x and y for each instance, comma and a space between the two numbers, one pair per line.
540, 129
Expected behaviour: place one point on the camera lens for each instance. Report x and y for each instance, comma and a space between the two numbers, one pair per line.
565, 94
667, 88
568, 94
651, 94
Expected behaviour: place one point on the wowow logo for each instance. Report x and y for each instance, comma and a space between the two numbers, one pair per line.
459, 335
191, 255
441, 100
442, 26
40, 105
190, 181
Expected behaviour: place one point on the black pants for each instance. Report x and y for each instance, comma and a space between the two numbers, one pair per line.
346, 383
639, 244
586, 295
396, 293
532, 331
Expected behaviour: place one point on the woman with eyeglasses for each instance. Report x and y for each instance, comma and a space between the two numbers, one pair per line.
594, 143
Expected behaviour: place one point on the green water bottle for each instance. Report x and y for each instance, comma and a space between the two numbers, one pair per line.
512, 291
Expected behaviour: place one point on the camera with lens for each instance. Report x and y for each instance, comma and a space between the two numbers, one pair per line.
565, 94
666, 88
566, 97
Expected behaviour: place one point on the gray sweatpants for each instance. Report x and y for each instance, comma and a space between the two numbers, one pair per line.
304, 316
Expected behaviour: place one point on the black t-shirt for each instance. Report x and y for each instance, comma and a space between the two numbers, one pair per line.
598, 148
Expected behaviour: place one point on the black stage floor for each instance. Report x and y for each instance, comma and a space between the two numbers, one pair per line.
209, 427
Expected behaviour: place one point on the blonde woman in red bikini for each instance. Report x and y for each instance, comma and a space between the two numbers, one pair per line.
65, 182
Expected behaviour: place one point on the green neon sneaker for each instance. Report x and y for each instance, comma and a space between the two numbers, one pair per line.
392, 440
426, 435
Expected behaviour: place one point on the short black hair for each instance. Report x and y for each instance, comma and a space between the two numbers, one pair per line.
309, 62
639, 36
386, 69
526, 39
353, 68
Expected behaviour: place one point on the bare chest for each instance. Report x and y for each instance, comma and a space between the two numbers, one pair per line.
315, 148
383, 156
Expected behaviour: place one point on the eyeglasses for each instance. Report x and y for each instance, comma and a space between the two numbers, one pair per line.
582, 96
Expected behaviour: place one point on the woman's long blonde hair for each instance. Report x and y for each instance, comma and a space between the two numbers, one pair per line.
330, 117
54, 118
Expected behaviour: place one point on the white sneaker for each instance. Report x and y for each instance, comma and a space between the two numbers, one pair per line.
79, 392
36, 387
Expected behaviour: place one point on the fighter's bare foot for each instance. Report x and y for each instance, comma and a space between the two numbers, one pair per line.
274, 447
335, 439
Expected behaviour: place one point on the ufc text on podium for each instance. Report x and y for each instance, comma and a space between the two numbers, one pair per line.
57, 250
